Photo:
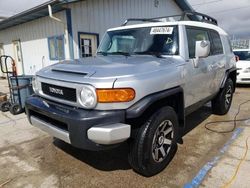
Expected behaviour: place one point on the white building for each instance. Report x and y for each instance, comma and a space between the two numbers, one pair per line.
36, 40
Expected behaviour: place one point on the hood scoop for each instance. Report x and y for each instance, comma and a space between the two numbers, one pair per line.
69, 71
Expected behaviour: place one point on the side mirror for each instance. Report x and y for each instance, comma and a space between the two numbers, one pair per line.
202, 50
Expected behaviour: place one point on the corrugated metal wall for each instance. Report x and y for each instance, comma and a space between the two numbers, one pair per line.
90, 16
33, 36
96, 16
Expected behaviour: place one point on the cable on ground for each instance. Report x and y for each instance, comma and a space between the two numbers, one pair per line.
234, 121
238, 166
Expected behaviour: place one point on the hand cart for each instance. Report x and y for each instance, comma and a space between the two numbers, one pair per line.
19, 87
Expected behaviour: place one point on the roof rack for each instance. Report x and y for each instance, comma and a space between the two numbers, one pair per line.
194, 16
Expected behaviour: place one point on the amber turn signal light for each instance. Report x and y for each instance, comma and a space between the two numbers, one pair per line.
115, 95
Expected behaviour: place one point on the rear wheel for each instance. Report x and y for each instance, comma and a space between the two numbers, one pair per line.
222, 102
155, 143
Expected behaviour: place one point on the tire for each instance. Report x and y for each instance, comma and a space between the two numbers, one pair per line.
147, 150
222, 102
5, 106
16, 109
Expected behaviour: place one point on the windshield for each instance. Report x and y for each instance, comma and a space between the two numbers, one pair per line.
161, 40
243, 55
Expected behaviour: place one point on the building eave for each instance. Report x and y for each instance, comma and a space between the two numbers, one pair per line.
57, 5
34, 13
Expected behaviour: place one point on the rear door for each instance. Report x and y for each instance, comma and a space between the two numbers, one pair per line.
1, 53
18, 57
217, 61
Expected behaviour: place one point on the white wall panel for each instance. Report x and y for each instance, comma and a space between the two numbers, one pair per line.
33, 36
96, 16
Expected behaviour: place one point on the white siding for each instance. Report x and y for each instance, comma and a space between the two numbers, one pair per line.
33, 36
96, 16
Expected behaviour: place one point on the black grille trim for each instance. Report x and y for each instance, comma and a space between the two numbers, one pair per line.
68, 94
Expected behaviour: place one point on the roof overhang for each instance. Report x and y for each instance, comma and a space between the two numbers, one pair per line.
34, 13
57, 5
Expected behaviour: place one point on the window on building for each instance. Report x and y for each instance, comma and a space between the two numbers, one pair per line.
56, 47
88, 44
193, 35
216, 47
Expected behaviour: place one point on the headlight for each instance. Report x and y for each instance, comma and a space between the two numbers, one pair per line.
35, 84
247, 70
88, 97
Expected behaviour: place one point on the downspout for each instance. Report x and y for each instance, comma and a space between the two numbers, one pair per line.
66, 33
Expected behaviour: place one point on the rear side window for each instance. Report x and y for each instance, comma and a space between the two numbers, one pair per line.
216, 46
193, 35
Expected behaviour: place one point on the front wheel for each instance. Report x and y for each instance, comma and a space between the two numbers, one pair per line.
222, 102
155, 144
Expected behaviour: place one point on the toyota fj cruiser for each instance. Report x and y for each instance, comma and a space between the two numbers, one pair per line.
140, 86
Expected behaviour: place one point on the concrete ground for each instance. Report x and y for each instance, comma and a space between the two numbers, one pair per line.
31, 158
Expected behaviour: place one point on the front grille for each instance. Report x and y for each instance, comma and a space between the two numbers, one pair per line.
64, 93
245, 79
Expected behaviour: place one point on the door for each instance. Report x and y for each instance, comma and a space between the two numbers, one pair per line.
218, 62
18, 57
198, 78
1, 53
88, 45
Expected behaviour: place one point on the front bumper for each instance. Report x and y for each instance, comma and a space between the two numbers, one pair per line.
86, 129
243, 78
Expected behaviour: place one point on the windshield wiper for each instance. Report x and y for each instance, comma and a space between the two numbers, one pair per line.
102, 53
156, 54
120, 53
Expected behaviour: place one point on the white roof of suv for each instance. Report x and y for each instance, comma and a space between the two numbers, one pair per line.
241, 50
188, 23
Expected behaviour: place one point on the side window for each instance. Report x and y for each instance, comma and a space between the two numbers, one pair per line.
56, 47
193, 35
216, 47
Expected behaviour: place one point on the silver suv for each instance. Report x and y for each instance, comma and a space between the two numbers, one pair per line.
140, 86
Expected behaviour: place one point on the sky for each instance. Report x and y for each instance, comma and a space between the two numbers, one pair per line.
11, 7
232, 15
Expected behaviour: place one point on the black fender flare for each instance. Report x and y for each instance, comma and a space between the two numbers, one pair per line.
228, 72
142, 105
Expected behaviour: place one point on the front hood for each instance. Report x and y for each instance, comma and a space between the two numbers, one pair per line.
108, 66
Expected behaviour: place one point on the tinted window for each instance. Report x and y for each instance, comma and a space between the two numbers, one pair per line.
193, 35
243, 55
216, 47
